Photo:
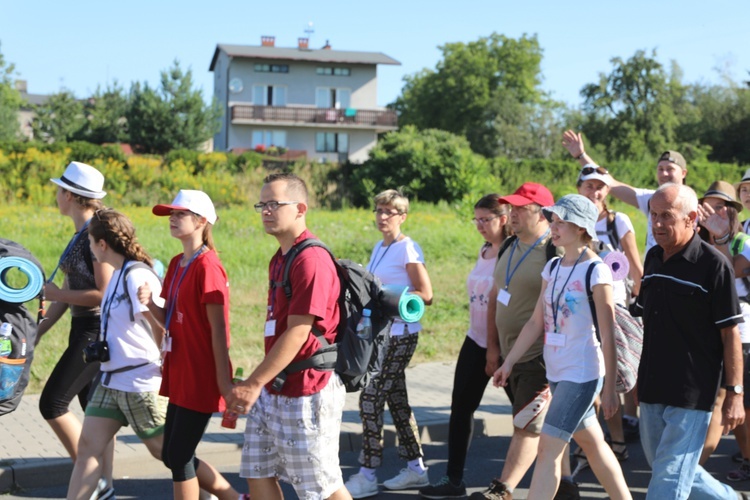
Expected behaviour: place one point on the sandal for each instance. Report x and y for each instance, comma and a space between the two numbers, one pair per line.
622, 453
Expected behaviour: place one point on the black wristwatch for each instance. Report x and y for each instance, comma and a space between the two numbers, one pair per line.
737, 389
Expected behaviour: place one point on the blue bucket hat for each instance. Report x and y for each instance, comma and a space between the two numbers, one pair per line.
576, 209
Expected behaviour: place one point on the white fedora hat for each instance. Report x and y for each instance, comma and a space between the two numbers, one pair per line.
83, 180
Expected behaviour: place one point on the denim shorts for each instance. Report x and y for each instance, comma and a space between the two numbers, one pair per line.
572, 408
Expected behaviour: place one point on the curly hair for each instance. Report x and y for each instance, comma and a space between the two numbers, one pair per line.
119, 233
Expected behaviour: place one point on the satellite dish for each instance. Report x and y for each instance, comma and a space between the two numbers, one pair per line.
235, 85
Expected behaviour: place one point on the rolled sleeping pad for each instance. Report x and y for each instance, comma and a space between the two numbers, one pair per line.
618, 264
398, 303
35, 280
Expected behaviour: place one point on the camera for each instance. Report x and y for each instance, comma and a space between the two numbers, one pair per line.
96, 351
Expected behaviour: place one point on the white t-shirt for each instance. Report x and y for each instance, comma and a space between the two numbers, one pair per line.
129, 342
479, 284
389, 264
623, 226
644, 196
580, 359
742, 291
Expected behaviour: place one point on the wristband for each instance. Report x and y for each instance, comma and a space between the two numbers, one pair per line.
723, 240
580, 156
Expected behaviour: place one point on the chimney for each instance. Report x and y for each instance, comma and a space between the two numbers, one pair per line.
327, 46
22, 86
267, 41
303, 43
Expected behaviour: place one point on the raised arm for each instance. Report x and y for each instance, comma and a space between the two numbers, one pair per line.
573, 142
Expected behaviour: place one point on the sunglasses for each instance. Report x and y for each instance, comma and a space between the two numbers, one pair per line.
590, 170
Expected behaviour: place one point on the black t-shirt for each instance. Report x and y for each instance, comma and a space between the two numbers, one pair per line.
685, 302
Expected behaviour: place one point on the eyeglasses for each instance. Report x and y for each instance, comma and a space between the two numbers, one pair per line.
483, 220
272, 206
384, 213
591, 170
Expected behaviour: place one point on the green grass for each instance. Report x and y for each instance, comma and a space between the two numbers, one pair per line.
448, 238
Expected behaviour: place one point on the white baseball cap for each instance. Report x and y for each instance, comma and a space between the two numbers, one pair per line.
195, 201
592, 171
83, 180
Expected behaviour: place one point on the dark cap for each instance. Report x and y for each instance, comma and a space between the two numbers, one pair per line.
674, 157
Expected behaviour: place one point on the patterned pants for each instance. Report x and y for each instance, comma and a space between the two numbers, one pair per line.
390, 386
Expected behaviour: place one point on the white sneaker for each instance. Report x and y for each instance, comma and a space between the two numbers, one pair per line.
361, 487
407, 479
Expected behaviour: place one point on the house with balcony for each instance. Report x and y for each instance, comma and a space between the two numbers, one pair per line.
320, 101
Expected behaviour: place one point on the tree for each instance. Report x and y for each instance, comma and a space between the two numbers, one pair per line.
61, 118
476, 90
106, 111
171, 117
633, 110
430, 165
10, 102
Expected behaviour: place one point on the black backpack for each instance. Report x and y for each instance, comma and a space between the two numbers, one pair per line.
354, 359
15, 369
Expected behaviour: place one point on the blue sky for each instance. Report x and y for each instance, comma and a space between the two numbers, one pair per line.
81, 44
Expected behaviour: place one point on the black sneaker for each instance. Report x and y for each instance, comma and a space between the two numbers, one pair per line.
443, 489
496, 491
568, 490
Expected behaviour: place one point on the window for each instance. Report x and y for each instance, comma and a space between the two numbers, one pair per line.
332, 98
269, 138
272, 68
333, 71
269, 95
331, 142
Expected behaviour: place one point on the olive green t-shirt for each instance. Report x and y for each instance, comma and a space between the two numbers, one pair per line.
524, 287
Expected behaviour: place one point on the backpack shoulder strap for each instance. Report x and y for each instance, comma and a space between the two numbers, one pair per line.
590, 297
554, 263
136, 265
289, 259
506, 244
614, 237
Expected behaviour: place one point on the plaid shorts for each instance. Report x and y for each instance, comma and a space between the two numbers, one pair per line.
296, 440
144, 411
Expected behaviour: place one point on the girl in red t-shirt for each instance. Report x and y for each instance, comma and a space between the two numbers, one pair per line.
196, 370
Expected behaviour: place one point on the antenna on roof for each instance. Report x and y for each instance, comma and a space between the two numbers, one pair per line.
309, 30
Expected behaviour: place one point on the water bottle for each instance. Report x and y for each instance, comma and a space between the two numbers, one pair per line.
364, 327
229, 419
6, 346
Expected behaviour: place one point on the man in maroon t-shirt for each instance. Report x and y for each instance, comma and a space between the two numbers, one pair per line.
293, 433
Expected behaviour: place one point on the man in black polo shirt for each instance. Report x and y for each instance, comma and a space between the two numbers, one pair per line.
690, 311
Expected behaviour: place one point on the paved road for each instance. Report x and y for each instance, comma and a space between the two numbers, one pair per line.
485, 460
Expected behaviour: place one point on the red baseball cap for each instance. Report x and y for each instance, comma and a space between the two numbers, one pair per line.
528, 193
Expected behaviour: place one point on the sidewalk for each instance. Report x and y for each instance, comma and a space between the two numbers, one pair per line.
31, 456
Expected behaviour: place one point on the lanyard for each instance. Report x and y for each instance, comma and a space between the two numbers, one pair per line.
508, 273
108, 300
172, 299
67, 250
556, 303
372, 269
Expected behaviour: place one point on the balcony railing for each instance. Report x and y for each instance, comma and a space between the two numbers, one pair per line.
324, 116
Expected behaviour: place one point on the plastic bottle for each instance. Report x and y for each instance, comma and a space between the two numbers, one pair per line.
6, 346
229, 420
364, 327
